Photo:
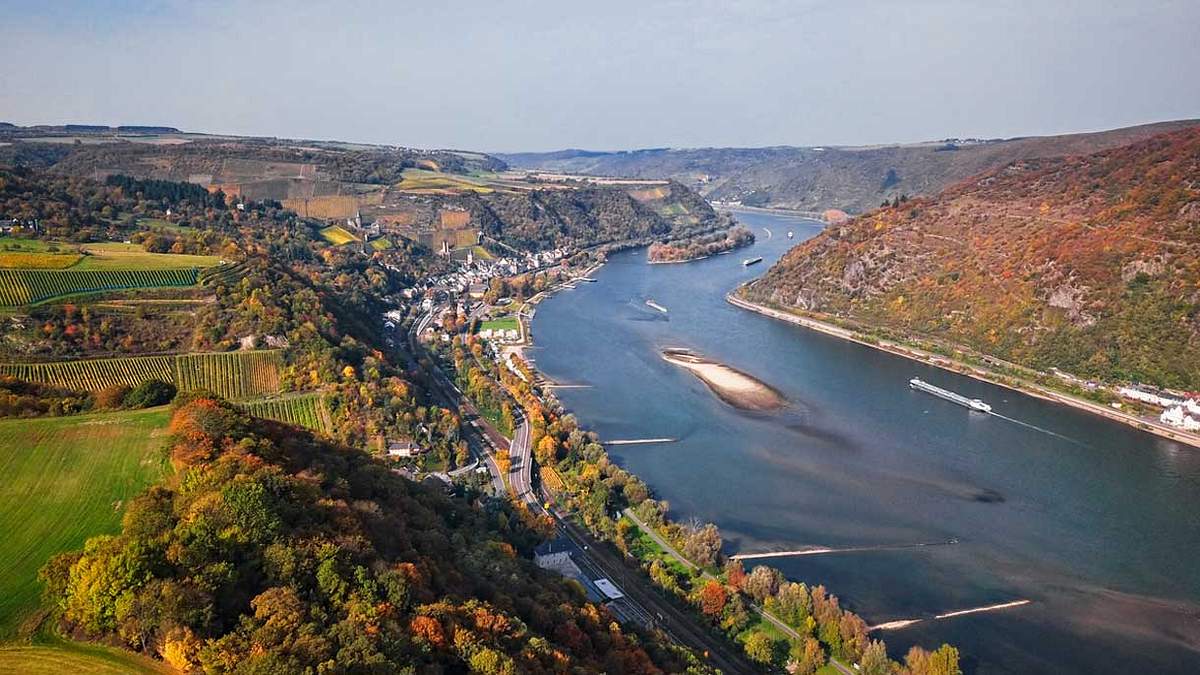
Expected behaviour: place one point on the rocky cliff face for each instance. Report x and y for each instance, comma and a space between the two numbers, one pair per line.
1088, 263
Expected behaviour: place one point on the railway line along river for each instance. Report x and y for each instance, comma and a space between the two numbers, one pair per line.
1096, 524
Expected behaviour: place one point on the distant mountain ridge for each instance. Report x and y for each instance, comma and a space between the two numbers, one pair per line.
1085, 263
854, 179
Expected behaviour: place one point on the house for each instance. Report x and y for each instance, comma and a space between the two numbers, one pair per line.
404, 449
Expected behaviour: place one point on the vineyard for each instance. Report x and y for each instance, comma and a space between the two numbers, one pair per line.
95, 374
306, 410
233, 375
25, 286
221, 274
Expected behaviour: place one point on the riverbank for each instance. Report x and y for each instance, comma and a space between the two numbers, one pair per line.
976, 372
731, 385
795, 213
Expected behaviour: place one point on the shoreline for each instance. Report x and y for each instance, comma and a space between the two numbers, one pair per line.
945, 363
796, 213
678, 262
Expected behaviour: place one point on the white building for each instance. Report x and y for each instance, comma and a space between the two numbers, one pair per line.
1177, 418
404, 449
1146, 396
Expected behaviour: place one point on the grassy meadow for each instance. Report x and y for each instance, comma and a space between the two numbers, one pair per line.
51, 655
66, 479
337, 235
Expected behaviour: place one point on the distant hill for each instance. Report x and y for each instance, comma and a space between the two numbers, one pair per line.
437, 198
39, 129
853, 179
1086, 263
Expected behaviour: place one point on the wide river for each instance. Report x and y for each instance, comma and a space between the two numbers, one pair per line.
1096, 523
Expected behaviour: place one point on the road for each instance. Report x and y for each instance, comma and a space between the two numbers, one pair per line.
520, 476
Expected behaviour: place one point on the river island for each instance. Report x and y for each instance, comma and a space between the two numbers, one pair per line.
731, 385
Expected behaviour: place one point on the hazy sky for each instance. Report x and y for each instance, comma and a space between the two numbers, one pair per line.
507, 75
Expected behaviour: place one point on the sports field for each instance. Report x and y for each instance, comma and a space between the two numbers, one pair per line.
66, 479
505, 323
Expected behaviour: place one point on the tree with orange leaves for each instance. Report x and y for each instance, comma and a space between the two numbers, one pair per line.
713, 598
428, 629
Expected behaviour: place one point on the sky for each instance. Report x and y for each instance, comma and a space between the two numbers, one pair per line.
518, 75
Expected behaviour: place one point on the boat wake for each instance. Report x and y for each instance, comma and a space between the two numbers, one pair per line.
1037, 428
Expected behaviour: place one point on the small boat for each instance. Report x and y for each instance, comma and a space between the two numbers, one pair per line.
751, 261
655, 306
791, 234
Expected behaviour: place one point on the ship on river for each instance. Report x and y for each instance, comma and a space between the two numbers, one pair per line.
971, 403
751, 261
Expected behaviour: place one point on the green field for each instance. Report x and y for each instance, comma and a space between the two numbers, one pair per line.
233, 375
28, 245
337, 235
66, 479
423, 181
381, 244
61, 657
306, 410
113, 256
506, 323
644, 548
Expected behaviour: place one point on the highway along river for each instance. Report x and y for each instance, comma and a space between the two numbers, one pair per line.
1095, 523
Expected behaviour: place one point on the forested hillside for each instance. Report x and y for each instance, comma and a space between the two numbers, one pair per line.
854, 179
1088, 264
272, 551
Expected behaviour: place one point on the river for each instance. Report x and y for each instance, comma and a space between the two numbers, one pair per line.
1096, 523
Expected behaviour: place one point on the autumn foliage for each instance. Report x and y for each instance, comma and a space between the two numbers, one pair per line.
271, 551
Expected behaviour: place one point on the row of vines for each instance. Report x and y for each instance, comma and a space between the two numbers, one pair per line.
307, 411
22, 287
232, 375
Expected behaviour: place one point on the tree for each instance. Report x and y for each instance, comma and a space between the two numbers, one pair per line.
807, 656
791, 603
943, 661
112, 396
702, 545
760, 647
713, 598
547, 451
763, 582
735, 574
853, 632
150, 393
875, 659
